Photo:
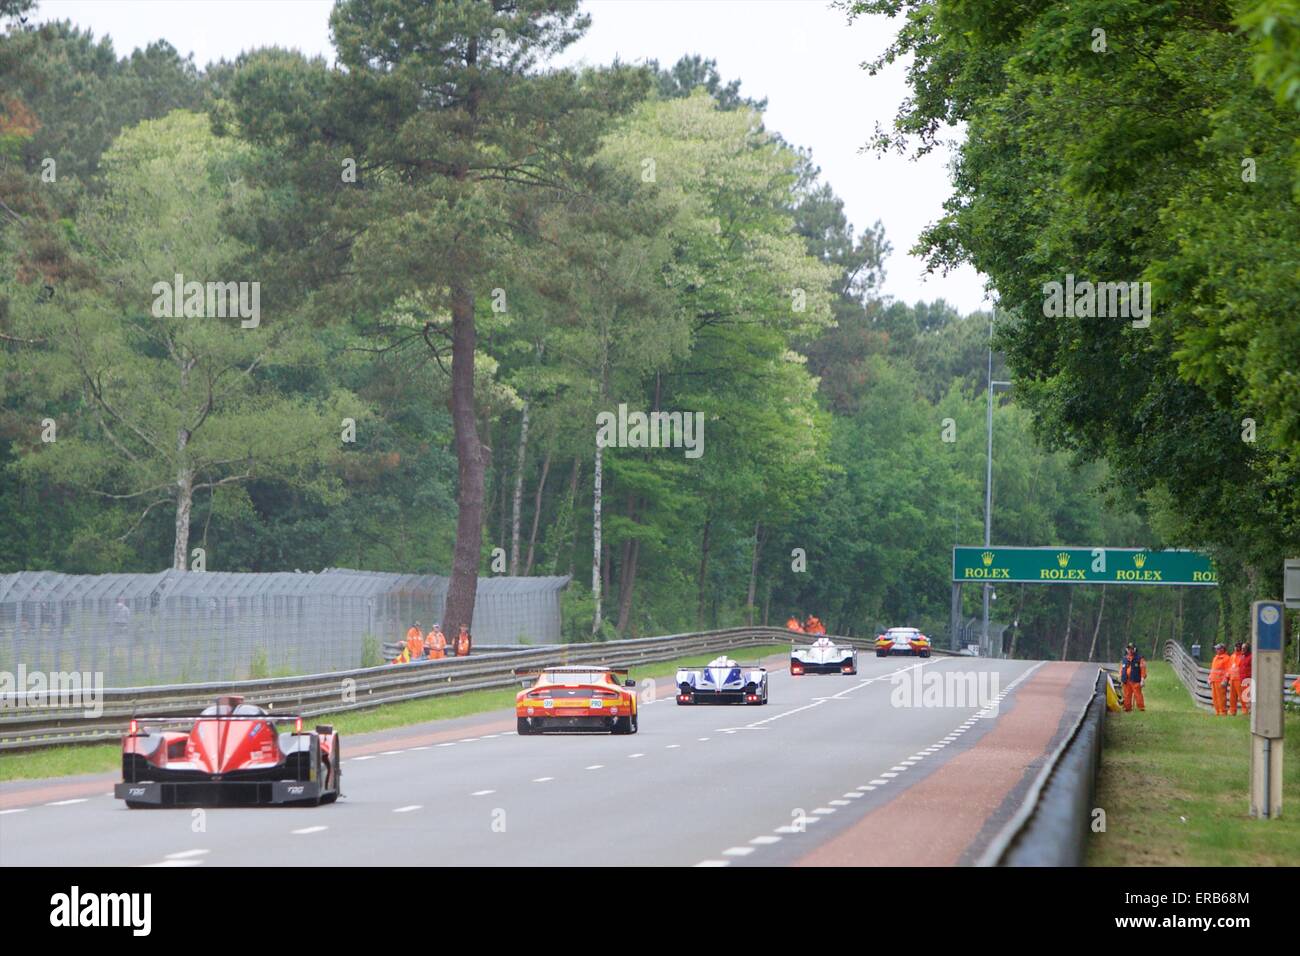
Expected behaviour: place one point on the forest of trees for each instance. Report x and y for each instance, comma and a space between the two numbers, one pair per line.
464, 255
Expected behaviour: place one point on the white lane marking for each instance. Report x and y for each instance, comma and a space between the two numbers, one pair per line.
889, 776
15, 810
672, 746
66, 803
630, 756
897, 768
542, 779
878, 782
787, 829
489, 736
765, 840
738, 851
481, 793
853, 795
822, 811
595, 766
408, 809
910, 762
419, 748
714, 863
389, 753
450, 743
183, 854
305, 830
366, 757
701, 738
838, 803
176, 863
110, 794
866, 787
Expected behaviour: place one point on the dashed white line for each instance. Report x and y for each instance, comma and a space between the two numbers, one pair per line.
714, 863
305, 830
185, 854
595, 766
765, 840
408, 809
542, 779
672, 746
389, 753
65, 803
630, 756
15, 810
481, 793
738, 851
822, 811
172, 863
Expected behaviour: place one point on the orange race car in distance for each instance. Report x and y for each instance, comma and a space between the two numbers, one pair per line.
593, 698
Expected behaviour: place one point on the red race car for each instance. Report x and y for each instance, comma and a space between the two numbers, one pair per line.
591, 698
231, 755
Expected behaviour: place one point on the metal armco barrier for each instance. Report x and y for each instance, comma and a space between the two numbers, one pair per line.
1051, 826
1197, 678
24, 727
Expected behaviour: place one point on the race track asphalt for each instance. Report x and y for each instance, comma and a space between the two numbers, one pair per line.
815, 777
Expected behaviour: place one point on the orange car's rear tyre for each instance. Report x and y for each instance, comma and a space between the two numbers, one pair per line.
525, 729
625, 725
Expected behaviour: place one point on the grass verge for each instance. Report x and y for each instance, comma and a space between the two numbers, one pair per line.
1175, 786
100, 758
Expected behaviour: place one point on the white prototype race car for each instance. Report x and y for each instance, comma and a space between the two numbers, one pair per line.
823, 656
722, 681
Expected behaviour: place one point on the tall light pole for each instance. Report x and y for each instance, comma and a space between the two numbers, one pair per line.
988, 485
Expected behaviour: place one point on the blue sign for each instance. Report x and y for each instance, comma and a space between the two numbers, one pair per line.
1268, 626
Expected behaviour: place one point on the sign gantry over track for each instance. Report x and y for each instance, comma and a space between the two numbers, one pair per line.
1046, 565
1082, 566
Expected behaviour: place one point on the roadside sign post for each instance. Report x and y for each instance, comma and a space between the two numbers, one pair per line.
1266, 718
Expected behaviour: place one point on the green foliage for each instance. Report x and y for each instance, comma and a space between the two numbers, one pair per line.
1158, 157
626, 236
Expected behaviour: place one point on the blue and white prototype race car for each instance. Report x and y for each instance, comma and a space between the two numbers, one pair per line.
722, 681
823, 656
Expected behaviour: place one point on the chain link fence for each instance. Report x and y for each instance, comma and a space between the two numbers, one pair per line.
183, 626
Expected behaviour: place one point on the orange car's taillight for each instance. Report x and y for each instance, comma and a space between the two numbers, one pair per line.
135, 728
297, 726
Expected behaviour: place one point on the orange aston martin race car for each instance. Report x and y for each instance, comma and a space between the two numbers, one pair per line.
593, 698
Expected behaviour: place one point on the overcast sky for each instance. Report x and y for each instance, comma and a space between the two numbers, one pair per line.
801, 55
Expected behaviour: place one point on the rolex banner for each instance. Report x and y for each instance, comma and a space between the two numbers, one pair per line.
1082, 566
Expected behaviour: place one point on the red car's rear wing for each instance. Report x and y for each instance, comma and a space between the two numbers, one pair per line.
265, 718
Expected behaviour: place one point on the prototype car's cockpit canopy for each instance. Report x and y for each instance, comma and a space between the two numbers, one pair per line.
232, 707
